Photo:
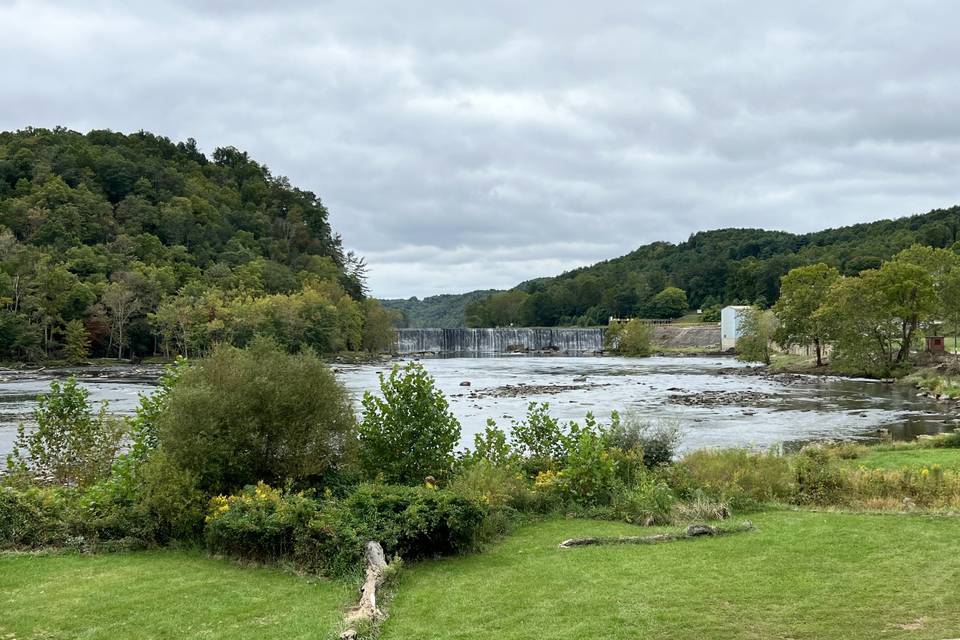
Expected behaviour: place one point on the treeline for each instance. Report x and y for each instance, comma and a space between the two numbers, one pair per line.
444, 311
713, 268
133, 245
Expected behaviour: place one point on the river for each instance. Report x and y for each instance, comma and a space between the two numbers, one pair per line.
710, 398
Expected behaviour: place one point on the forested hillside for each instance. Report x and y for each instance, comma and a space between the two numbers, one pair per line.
711, 267
442, 311
132, 245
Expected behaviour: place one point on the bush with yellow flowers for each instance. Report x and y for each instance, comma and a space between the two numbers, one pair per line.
259, 523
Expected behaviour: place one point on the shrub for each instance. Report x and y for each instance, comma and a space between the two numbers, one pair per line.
590, 472
819, 478
492, 446
538, 439
259, 523
629, 339
494, 486
649, 502
412, 522
241, 416
409, 433
169, 500
31, 518
658, 440
741, 476
70, 445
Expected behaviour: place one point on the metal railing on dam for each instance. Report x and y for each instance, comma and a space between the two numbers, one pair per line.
503, 340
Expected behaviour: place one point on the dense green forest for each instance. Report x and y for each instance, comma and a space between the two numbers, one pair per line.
712, 268
441, 311
133, 245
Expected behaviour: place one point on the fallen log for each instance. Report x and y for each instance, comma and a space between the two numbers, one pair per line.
366, 608
692, 531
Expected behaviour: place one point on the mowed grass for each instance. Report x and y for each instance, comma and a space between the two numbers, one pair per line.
162, 594
799, 575
913, 458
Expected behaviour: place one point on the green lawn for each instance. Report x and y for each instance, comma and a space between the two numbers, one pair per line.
800, 575
163, 594
914, 458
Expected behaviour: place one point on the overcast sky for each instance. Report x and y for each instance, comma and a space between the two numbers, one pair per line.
475, 145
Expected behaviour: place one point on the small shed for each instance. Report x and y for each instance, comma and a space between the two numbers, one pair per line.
730, 319
935, 344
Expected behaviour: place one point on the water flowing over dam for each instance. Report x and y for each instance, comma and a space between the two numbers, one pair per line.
465, 341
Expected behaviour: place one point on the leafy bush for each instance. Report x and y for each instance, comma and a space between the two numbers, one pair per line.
169, 500
538, 439
819, 478
32, 518
632, 338
70, 445
494, 486
242, 416
658, 440
410, 432
259, 523
648, 502
412, 522
590, 472
492, 446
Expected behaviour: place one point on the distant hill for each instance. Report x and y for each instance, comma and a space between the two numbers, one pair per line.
713, 268
441, 311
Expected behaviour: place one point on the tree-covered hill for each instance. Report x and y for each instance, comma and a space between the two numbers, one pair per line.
440, 311
114, 244
711, 267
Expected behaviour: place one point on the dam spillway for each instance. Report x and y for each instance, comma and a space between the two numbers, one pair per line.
502, 340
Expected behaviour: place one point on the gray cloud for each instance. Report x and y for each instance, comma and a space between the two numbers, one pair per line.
472, 146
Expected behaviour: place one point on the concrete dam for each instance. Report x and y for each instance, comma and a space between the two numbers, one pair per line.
579, 340
506, 340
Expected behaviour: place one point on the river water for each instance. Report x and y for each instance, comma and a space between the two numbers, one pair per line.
710, 398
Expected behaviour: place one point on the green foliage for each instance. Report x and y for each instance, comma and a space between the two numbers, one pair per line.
125, 233
723, 266
70, 444
31, 519
819, 479
410, 432
241, 416
498, 310
649, 501
492, 446
76, 346
802, 291
538, 439
259, 523
741, 476
410, 522
656, 440
756, 333
669, 303
443, 311
589, 472
631, 338
872, 320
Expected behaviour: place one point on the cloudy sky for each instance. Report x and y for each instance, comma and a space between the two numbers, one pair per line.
474, 145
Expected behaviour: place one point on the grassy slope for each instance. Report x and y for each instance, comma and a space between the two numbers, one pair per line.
800, 575
162, 594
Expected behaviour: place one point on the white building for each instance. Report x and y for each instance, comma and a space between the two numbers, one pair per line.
730, 319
